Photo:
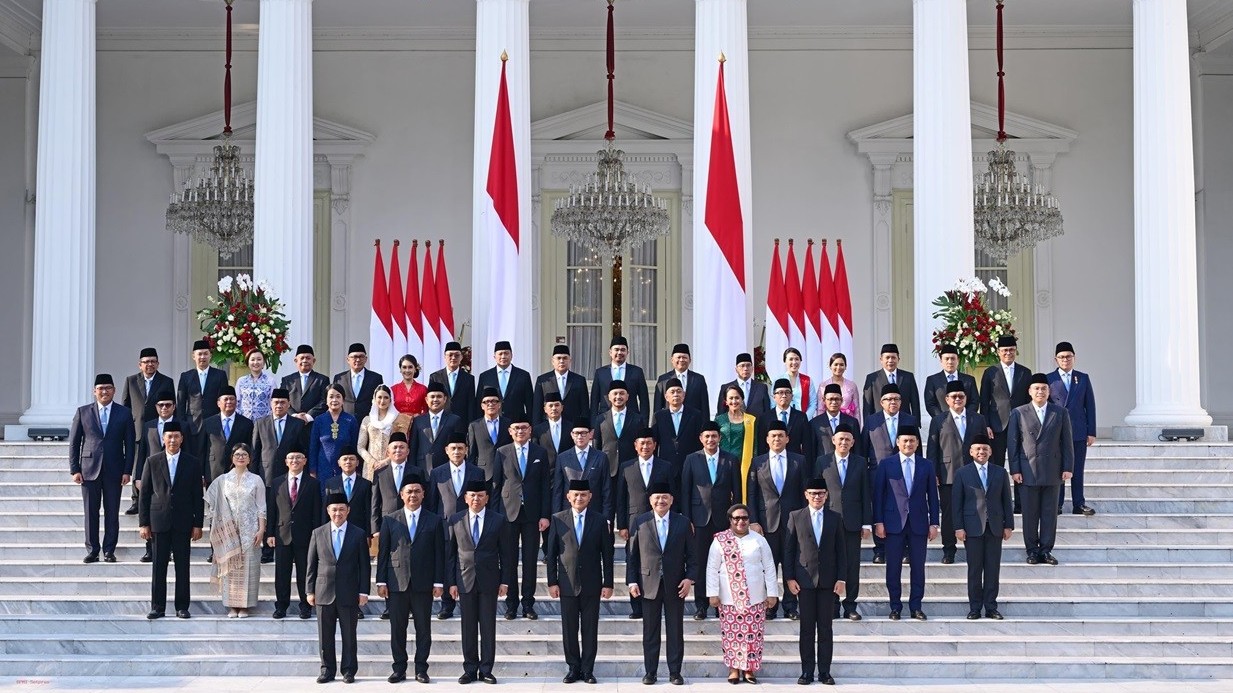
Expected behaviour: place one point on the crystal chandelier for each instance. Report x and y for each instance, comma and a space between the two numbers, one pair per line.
217, 209
1011, 214
609, 211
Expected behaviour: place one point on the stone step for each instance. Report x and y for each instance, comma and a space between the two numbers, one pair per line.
1161, 449
1149, 504
1095, 465
1183, 489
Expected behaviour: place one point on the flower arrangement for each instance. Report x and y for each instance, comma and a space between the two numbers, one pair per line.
245, 316
969, 324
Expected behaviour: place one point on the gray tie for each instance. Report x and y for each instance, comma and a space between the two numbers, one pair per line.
1040, 414
303, 383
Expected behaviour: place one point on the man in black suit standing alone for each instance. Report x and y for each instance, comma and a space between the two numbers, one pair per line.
982, 514
410, 573
358, 382
579, 558
620, 369
661, 567
1042, 458
198, 389
102, 444
294, 512
339, 573
814, 565
512, 382
522, 483
478, 573
140, 389
171, 514
847, 474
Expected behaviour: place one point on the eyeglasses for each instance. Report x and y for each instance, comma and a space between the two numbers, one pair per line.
739, 518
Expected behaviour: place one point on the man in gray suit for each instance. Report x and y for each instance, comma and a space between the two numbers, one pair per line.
339, 573
102, 444
140, 389
1042, 458
847, 476
950, 436
983, 514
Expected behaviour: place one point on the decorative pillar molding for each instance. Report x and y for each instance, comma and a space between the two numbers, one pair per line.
283, 173
883, 218
1166, 290
62, 332
502, 26
340, 243
943, 243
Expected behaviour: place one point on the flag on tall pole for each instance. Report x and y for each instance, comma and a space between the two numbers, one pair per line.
411, 306
813, 319
380, 325
501, 221
829, 306
843, 300
796, 307
434, 358
398, 314
445, 305
776, 337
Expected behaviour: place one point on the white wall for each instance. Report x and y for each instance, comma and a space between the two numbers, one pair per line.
1216, 241
13, 272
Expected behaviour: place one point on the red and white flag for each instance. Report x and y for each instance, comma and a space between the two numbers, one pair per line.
445, 305
411, 306
398, 315
843, 300
830, 309
776, 337
796, 307
434, 357
501, 224
380, 324
813, 318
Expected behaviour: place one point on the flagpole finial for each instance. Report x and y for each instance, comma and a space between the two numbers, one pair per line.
722, 58
427, 243
839, 242
415, 242
504, 56
395, 242
776, 241
791, 242
811, 242
441, 243
823, 242
377, 242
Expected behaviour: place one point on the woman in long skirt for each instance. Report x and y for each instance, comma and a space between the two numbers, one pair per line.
740, 571
235, 509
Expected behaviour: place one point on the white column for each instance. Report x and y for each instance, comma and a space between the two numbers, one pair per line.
283, 172
942, 162
502, 26
1166, 291
62, 349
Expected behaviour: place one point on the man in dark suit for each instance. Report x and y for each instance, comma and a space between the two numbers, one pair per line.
815, 563
579, 558
620, 369
800, 438
757, 396
431, 431
487, 433
632, 495
822, 427
615, 431
459, 384
477, 575
1072, 390
848, 475
386, 482
512, 382
984, 516
171, 515
274, 435
360, 494
710, 484
570, 386
222, 432
582, 461
358, 383
905, 514
140, 389
198, 389
552, 433
1040, 445
660, 567
777, 490
102, 444
677, 428
1003, 386
950, 438
339, 573
151, 442
306, 387
446, 493
891, 374
522, 482
294, 512
697, 397
935, 385
878, 441
410, 573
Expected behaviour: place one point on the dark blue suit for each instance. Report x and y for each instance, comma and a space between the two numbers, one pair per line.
1080, 403
103, 459
906, 518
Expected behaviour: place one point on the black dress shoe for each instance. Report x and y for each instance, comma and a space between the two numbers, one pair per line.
146, 557
530, 614
919, 615
306, 612
267, 559
385, 615
445, 615
210, 559
467, 678
700, 615
183, 613
805, 680
635, 617
994, 614
794, 615
879, 560
648, 680
348, 678
325, 678
109, 558
948, 558
590, 678
360, 614
894, 615
1048, 558
572, 677
852, 616
511, 614
90, 558
280, 613
973, 615
770, 614
156, 614
132, 510
487, 678
1085, 510
396, 677
676, 680
1032, 559
827, 679
421, 677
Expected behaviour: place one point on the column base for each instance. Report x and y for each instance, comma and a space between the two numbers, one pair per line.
1211, 434
48, 416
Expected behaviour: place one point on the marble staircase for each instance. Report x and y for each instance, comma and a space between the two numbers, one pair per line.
1144, 591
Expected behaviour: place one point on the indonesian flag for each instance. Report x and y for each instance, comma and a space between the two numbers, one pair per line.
411, 306
445, 306
813, 318
434, 358
829, 306
796, 305
843, 300
398, 314
776, 336
500, 224
380, 324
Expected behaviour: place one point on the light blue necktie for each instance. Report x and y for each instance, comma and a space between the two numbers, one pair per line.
778, 473
619, 422
172, 471
337, 541
303, 383
280, 430
843, 471
783, 416
984, 476
1065, 381
227, 428
160, 433
104, 417
951, 377
578, 527
201, 379
348, 489
492, 431
907, 474
1040, 414
961, 422
357, 381
436, 422
475, 531
397, 477
504, 381
663, 532
618, 373
453, 381
458, 480
713, 466
892, 427
522, 462
891, 377
411, 529
834, 423
817, 527
582, 460
676, 422
148, 387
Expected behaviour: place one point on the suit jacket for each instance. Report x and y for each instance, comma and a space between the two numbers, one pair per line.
596, 473
758, 403
997, 397
309, 401
293, 523
1079, 402
974, 509
851, 498
361, 500
338, 581
523, 498
875, 381
93, 453
462, 400
946, 448
616, 447
935, 393
481, 451
574, 401
579, 568
673, 445
517, 398
214, 449
697, 396
800, 437
704, 503
440, 498
192, 404
646, 561
542, 434
771, 506
814, 565
820, 429
481, 566
358, 404
167, 505
896, 509
635, 381
405, 564
632, 498
135, 399
1040, 452
268, 451
427, 450
875, 439
151, 442
385, 492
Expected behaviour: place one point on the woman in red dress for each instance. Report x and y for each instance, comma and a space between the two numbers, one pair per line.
409, 395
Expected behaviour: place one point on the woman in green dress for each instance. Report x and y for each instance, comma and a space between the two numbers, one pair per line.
736, 434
